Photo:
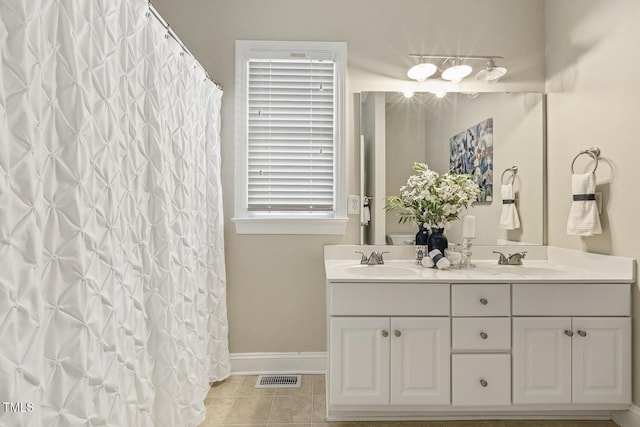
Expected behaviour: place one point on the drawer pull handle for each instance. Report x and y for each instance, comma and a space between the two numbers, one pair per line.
484, 335
483, 301
397, 333
483, 383
582, 333
385, 333
568, 333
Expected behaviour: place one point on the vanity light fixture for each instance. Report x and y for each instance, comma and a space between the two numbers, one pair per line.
455, 67
492, 73
422, 71
457, 71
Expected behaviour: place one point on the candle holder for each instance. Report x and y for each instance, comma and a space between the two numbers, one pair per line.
467, 243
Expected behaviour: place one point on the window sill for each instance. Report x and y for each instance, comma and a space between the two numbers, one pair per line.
290, 225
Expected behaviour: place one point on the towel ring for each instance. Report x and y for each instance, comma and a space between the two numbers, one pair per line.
513, 170
594, 152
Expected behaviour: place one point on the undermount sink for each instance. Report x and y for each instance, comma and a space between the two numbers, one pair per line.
383, 270
518, 270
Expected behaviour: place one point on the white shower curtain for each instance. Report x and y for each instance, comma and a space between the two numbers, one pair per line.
112, 279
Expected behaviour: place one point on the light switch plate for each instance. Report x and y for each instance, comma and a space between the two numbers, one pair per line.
353, 205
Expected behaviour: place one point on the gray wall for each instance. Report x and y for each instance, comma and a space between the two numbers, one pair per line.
517, 140
373, 128
276, 288
406, 142
589, 104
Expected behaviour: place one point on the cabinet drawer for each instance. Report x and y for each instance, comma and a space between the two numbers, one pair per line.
481, 300
571, 299
481, 333
388, 299
481, 379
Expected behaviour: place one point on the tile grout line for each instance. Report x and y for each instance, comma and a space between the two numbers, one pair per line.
229, 410
235, 398
313, 400
273, 399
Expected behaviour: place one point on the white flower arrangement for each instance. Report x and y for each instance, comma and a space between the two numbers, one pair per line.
432, 199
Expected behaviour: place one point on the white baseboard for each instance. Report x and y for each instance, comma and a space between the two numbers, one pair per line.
278, 363
630, 418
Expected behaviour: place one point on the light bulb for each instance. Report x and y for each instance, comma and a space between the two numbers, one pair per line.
491, 74
456, 73
421, 72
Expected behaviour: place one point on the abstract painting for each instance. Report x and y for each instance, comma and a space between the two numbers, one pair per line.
471, 152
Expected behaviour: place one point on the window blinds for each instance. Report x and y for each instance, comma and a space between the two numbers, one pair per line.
291, 109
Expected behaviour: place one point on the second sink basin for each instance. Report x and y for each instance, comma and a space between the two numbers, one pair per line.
535, 270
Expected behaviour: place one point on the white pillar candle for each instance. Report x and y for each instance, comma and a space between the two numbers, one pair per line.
469, 226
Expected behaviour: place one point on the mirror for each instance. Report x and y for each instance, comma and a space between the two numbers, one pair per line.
399, 131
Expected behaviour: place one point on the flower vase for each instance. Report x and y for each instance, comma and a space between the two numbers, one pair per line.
437, 240
422, 236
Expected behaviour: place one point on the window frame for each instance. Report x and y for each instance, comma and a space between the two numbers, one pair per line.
247, 222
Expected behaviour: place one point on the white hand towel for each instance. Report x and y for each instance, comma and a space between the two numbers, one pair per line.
583, 217
509, 218
367, 215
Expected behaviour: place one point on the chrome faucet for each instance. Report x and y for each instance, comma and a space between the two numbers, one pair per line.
513, 259
516, 259
375, 258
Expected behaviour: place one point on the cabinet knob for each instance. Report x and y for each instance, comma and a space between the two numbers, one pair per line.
484, 335
582, 333
483, 383
385, 333
397, 333
483, 301
568, 333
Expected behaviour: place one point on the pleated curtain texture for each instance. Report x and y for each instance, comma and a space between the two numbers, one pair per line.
112, 278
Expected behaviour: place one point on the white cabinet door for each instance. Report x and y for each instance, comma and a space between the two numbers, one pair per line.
359, 360
541, 360
602, 360
420, 361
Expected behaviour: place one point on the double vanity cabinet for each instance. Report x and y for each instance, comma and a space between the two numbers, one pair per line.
544, 340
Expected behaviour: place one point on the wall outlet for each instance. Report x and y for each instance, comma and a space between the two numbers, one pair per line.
353, 205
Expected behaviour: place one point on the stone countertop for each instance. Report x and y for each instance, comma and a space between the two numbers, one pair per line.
550, 265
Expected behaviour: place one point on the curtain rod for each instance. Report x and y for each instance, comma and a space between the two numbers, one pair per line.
154, 12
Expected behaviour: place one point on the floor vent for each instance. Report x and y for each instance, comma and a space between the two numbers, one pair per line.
278, 381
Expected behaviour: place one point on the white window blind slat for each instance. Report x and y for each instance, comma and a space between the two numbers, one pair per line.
291, 134
279, 124
307, 150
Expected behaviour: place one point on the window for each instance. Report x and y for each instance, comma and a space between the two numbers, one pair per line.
290, 176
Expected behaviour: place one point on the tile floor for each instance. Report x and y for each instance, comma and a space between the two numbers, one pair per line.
236, 402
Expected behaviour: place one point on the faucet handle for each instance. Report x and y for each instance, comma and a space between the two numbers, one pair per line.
363, 260
503, 258
516, 259
520, 254
379, 256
